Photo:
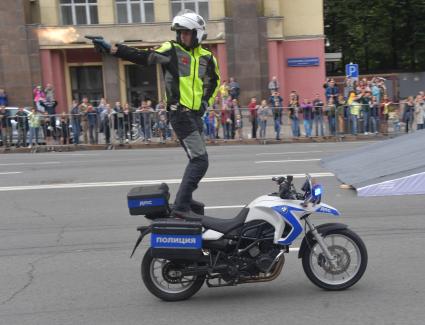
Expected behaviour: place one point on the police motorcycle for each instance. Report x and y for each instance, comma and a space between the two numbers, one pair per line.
249, 248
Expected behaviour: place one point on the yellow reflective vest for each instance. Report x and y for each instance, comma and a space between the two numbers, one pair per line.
191, 76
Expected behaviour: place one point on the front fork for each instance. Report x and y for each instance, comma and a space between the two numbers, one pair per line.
318, 237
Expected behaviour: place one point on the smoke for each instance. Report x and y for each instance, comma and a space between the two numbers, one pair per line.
64, 35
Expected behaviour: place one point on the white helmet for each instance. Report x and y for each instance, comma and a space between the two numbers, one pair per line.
189, 20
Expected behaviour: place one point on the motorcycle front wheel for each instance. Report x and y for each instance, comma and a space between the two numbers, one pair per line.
351, 260
164, 278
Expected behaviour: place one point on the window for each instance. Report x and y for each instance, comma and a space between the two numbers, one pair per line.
135, 11
87, 82
141, 85
79, 12
198, 6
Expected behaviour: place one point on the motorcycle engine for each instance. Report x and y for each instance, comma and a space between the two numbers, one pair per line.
263, 257
263, 262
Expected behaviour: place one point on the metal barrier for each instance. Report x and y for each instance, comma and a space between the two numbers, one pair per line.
111, 127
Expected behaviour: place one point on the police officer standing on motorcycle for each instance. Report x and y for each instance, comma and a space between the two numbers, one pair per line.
191, 81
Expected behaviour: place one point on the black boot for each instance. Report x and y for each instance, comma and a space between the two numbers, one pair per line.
187, 215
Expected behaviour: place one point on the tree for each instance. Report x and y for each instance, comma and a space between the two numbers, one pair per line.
380, 35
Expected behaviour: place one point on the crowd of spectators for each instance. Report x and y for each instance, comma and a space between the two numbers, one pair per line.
120, 122
367, 101
84, 124
414, 112
228, 115
356, 106
364, 106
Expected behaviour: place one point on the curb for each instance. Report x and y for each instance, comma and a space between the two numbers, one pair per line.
219, 142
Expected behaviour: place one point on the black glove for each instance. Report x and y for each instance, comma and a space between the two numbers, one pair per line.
101, 45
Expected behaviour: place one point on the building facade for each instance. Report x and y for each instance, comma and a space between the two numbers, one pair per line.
253, 40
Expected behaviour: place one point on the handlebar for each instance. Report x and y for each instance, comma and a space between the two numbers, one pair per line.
287, 189
307, 189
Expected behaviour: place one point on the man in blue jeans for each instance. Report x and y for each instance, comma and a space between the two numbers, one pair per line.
307, 109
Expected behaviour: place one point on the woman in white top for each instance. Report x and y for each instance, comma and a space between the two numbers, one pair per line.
263, 114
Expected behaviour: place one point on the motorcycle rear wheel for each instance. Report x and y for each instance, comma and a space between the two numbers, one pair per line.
161, 277
351, 255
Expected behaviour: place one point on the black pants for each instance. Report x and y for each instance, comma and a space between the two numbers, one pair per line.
107, 132
254, 127
92, 130
188, 127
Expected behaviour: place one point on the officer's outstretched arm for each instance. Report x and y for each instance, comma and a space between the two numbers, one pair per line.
144, 57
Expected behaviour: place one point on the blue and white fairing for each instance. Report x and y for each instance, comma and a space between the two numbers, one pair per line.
327, 209
279, 212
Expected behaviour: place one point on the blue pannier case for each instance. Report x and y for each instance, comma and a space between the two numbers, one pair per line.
150, 201
176, 239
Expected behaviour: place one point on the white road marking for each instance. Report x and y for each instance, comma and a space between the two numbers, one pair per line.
294, 249
286, 161
148, 182
32, 163
10, 173
286, 153
71, 154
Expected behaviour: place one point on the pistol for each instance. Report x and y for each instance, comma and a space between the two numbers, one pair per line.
92, 38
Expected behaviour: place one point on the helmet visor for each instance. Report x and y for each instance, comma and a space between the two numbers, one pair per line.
177, 26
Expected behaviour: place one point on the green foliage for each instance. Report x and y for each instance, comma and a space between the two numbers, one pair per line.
379, 35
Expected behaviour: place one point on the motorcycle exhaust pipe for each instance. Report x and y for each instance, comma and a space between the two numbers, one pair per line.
276, 259
276, 272
203, 270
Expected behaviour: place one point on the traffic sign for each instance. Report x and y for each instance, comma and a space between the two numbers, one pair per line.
304, 62
352, 70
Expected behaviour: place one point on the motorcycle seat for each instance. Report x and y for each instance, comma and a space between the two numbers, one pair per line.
225, 225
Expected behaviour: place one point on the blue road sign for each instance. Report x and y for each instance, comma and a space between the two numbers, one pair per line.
352, 70
303, 62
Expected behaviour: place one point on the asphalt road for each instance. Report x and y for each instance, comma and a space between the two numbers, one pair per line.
66, 237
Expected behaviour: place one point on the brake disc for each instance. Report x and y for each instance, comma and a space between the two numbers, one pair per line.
343, 260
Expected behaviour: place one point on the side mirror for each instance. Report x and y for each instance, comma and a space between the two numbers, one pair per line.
306, 187
278, 180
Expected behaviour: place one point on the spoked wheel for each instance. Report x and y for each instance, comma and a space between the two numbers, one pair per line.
165, 279
351, 261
